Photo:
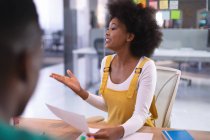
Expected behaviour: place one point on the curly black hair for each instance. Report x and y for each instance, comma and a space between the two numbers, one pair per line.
141, 22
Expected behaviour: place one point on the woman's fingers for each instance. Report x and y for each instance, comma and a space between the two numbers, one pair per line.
97, 135
58, 77
70, 73
101, 134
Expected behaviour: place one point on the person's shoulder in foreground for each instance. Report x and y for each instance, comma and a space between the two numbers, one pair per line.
20, 61
8, 132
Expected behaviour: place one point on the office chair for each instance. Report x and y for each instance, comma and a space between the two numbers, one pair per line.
101, 50
57, 39
99, 46
165, 92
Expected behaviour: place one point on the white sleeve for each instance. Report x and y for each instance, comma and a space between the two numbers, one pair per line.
97, 101
146, 89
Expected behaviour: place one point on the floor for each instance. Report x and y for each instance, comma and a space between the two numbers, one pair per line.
190, 110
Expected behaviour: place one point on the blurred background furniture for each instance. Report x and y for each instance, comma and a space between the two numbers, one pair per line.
57, 40
101, 50
99, 47
166, 89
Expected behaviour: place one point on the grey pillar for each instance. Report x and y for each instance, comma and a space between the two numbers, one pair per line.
208, 5
70, 34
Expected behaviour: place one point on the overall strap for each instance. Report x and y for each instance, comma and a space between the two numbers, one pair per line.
134, 81
133, 88
105, 74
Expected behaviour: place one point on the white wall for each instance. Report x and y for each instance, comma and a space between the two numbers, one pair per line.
50, 14
83, 23
51, 17
101, 12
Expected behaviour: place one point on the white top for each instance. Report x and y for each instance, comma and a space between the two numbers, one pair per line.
146, 89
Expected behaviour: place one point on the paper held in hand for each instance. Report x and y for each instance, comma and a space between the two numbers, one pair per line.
79, 122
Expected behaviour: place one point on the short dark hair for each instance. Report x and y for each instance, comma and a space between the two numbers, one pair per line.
19, 30
141, 22
15, 16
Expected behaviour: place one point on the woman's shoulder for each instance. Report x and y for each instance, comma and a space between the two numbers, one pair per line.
149, 61
149, 65
105, 58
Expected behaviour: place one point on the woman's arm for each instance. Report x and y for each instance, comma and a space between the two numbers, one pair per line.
145, 93
97, 101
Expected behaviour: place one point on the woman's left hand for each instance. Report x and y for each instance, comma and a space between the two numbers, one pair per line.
114, 133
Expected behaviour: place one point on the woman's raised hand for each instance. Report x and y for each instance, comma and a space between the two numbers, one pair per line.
71, 82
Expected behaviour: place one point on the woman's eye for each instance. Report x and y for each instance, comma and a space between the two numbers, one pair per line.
113, 28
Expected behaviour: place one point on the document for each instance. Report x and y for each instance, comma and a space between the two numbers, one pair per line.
163, 4
79, 122
174, 4
135, 136
139, 136
75, 120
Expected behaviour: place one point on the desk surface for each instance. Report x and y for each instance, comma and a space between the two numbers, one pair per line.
61, 129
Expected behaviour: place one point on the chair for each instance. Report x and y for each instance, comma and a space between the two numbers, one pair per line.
101, 50
165, 92
99, 47
166, 89
57, 39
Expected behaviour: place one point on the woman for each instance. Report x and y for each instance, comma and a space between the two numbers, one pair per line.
128, 77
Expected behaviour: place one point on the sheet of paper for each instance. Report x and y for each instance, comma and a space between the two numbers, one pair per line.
174, 4
166, 15
79, 122
153, 4
139, 136
163, 4
175, 14
75, 120
143, 2
135, 136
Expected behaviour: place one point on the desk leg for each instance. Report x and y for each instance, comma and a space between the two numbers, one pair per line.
88, 71
199, 66
75, 65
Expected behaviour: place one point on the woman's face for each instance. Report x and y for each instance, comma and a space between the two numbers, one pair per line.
116, 35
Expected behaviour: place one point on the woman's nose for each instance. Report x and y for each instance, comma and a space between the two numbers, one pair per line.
107, 32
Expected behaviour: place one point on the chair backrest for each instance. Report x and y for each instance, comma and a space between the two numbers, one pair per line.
101, 50
166, 89
99, 46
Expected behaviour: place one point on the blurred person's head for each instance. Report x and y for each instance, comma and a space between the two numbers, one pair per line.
133, 25
20, 55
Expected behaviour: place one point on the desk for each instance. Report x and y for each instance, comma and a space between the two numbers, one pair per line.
182, 55
60, 129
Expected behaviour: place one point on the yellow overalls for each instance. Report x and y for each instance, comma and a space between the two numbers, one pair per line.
121, 104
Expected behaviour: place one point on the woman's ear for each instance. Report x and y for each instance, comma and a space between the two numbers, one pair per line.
130, 37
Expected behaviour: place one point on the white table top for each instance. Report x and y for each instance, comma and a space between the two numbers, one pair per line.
183, 54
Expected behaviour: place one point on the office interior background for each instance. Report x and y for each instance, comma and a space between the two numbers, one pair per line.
73, 39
